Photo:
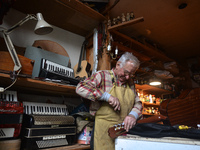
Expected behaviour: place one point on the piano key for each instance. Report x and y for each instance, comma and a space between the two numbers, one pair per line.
57, 71
45, 109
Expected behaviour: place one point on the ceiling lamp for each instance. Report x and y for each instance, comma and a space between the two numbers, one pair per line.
154, 81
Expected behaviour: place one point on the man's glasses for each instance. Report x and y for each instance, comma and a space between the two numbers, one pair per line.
127, 73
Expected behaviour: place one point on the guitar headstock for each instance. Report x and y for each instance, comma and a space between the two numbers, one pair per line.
116, 130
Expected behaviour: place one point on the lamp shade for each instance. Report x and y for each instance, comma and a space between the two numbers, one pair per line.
42, 27
154, 81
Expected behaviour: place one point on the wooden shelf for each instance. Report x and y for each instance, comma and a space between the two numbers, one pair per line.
150, 104
152, 89
147, 104
34, 85
125, 24
149, 56
141, 51
148, 114
137, 46
72, 147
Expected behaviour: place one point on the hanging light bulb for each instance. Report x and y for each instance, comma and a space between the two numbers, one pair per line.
109, 47
116, 51
113, 55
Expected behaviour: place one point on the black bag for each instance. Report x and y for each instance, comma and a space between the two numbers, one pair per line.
159, 130
190, 133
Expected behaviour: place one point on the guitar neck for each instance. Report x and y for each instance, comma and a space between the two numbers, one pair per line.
79, 62
81, 55
118, 130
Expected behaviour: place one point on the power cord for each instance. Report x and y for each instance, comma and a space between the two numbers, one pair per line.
4, 89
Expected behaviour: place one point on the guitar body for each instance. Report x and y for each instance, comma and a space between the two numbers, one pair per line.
83, 71
183, 110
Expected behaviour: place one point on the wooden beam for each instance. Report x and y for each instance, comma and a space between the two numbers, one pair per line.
110, 7
84, 9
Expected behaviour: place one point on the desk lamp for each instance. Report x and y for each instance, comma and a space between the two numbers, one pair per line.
42, 27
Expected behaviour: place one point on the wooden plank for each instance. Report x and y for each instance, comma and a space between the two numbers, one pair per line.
39, 86
125, 24
152, 89
72, 147
150, 104
104, 61
11, 144
82, 8
7, 64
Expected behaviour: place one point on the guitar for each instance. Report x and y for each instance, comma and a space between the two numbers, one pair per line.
82, 69
118, 129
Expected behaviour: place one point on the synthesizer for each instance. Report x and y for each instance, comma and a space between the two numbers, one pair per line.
52, 70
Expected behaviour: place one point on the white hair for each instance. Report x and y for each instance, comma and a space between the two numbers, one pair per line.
129, 57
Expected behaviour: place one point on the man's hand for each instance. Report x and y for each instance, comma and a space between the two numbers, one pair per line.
129, 122
114, 102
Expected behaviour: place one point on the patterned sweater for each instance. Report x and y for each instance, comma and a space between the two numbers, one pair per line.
94, 87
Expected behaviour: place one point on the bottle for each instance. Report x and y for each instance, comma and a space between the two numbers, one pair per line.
150, 98
147, 98
141, 97
138, 92
149, 110
152, 110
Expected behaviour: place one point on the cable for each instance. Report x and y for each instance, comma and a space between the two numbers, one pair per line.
4, 89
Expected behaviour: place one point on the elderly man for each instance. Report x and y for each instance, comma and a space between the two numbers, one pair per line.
114, 99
